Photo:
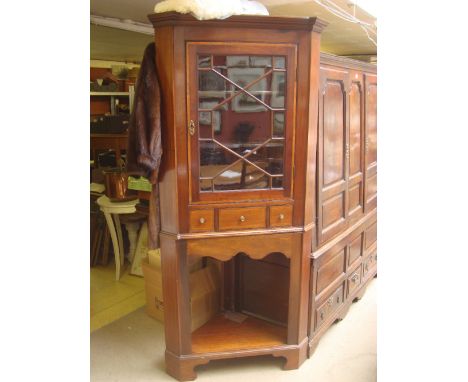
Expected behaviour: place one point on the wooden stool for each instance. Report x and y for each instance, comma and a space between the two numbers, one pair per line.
111, 211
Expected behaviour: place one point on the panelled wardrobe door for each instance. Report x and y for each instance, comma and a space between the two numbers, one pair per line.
355, 149
370, 82
333, 150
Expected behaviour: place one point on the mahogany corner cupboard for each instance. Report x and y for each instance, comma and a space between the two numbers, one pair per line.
269, 176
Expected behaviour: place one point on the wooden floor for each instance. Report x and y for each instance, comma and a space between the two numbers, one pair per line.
220, 334
111, 299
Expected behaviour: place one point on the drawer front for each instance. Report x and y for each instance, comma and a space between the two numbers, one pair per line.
330, 305
333, 268
281, 216
242, 218
354, 280
201, 220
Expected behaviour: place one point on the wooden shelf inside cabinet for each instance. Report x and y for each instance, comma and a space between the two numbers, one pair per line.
221, 334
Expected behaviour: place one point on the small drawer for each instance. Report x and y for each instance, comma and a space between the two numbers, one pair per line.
242, 218
330, 305
354, 280
281, 216
201, 220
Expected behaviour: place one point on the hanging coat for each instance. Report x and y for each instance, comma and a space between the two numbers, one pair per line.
144, 148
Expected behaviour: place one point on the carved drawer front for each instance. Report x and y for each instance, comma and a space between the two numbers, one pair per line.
242, 218
201, 220
354, 280
369, 264
328, 307
281, 216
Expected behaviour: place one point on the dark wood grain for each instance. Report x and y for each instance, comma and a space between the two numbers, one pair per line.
287, 257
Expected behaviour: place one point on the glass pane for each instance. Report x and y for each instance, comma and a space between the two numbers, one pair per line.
269, 157
211, 154
204, 61
280, 63
209, 80
277, 90
241, 121
278, 124
219, 62
243, 130
241, 176
204, 124
236, 61
277, 182
260, 61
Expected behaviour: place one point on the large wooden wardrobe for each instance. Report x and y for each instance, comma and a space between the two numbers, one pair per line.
269, 176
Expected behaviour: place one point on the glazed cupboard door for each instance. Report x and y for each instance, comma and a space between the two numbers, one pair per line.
333, 153
370, 81
241, 99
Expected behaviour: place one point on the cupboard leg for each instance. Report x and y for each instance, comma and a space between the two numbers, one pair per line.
179, 369
296, 358
176, 295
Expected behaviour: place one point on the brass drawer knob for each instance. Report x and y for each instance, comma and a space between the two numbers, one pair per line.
321, 315
202, 220
242, 218
281, 216
354, 278
330, 301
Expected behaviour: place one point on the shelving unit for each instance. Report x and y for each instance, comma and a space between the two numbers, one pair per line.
115, 95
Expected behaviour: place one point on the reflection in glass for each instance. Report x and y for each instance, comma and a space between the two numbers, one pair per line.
209, 80
277, 88
269, 157
260, 61
204, 61
278, 124
239, 61
280, 63
204, 124
239, 130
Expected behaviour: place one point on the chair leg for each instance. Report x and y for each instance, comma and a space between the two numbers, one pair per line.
115, 243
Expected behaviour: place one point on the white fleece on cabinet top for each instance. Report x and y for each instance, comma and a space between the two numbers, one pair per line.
212, 9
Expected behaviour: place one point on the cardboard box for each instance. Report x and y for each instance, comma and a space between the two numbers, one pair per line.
204, 293
154, 258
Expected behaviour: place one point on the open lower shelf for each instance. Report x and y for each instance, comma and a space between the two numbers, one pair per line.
221, 334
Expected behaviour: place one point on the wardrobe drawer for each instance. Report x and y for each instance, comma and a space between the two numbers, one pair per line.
201, 220
354, 280
281, 216
327, 308
332, 266
242, 218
